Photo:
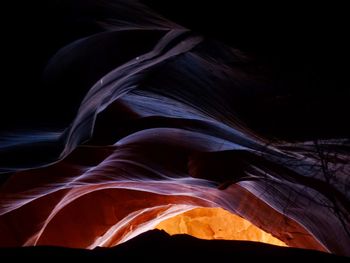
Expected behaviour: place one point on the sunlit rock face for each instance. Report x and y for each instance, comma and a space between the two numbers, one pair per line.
158, 126
216, 223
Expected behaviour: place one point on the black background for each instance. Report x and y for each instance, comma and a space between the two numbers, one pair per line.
303, 47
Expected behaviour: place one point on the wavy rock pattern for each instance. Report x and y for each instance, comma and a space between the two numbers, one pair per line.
158, 134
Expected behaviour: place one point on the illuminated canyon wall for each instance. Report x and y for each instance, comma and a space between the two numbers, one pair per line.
216, 223
155, 134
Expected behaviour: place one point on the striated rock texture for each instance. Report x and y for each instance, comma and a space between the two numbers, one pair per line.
137, 119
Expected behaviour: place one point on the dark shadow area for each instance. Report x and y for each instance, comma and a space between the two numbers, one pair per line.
158, 246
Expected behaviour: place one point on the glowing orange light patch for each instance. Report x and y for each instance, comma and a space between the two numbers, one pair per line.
216, 223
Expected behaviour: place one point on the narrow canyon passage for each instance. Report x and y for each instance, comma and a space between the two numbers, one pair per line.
122, 117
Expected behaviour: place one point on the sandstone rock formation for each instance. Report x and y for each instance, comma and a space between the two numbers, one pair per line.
147, 119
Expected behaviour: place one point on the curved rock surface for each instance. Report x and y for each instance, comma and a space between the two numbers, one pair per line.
158, 121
